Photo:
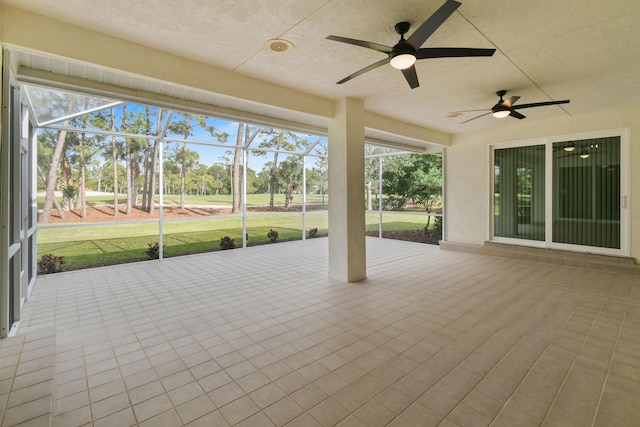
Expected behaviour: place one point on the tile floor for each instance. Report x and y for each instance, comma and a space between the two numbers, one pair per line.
261, 337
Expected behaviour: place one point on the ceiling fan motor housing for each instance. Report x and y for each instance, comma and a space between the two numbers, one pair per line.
499, 107
402, 28
403, 47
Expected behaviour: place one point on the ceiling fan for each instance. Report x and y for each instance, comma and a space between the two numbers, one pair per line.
506, 108
404, 54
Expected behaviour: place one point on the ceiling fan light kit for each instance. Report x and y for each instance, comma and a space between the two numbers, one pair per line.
501, 114
403, 61
406, 52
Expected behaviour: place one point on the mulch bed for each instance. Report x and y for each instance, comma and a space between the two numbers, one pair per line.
408, 235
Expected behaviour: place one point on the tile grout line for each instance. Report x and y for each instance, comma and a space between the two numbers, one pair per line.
613, 352
13, 379
500, 360
564, 379
494, 334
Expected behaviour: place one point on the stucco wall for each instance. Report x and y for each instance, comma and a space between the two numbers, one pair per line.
467, 169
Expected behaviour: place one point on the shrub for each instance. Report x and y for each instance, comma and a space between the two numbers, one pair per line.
313, 233
153, 252
69, 192
436, 230
437, 224
272, 235
391, 203
50, 263
227, 243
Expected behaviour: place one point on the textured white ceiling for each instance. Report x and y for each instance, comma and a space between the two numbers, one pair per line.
587, 51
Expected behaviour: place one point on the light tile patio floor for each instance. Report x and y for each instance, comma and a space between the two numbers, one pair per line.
262, 337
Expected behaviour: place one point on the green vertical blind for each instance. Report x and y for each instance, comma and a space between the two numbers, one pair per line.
586, 192
519, 202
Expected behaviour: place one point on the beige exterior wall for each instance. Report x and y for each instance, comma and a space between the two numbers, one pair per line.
467, 173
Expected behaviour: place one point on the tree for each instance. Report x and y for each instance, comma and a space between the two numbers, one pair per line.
108, 183
415, 177
316, 181
275, 140
184, 128
237, 153
47, 143
186, 159
97, 172
426, 187
219, 175
371, 172
263, 179
244, 137
171, 171
146, 161
52, 175
146, 152
127, 158
319, 176
153, 166
290, 177
138, 155
114, 161
86, 147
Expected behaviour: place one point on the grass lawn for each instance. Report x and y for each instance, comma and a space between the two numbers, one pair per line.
97, 245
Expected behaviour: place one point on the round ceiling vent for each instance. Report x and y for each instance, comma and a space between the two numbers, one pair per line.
278, 45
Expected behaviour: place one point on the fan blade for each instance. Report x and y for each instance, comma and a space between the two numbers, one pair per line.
362, 43
541, 104
452, 52
365, 69
476, 117
411, 76
432, 23
516, 115
509, 102
470, 111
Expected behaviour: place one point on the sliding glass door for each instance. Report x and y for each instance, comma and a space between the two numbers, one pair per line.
562, 193
586, 192
519, 178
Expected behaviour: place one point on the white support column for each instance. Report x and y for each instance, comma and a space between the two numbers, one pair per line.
347, 248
